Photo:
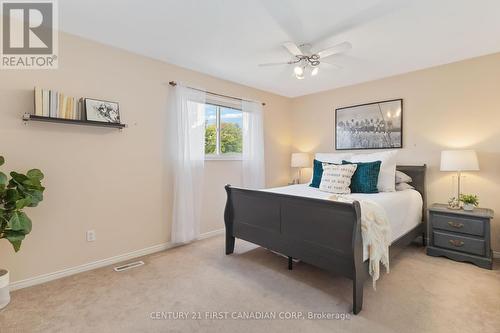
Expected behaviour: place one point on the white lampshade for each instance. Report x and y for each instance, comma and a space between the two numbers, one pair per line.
300, 160
459, 160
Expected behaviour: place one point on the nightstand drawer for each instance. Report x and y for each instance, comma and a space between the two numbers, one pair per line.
471, 226
459, 243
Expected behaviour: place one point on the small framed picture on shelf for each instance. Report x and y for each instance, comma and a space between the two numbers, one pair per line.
103, 111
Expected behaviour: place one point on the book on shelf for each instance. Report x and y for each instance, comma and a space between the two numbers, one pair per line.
81, 112
38, 101
72, 108
64, 107
61, 106
45, 103
53, 104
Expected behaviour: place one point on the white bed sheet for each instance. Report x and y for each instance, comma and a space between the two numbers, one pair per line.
403, 208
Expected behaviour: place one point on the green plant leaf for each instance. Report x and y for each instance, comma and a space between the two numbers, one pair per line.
21, 203
31, 184
18, 176
16, 244
20, 222
35, 174
25, 223
3, 179
12, 195
35, 197
2, 160
14, 222
15, 238
14, 235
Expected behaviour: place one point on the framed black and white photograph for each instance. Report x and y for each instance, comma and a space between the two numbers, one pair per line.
103, 111
376, 125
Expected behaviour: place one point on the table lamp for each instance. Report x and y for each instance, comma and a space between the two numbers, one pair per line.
300, 160
458, 161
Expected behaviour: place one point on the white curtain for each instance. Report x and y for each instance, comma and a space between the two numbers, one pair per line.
187, 147
253, 146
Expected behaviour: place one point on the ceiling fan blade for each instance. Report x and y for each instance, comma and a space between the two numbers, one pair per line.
339, 48
329, 65
275, 64
292, 48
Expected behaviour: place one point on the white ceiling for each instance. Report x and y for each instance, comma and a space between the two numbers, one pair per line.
229, 38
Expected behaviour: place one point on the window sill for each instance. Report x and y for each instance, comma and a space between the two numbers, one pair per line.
223, 158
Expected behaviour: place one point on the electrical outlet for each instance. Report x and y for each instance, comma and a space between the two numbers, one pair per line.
90, 235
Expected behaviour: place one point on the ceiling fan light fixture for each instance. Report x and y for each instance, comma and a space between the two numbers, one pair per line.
306, 62
299, 77
299, 71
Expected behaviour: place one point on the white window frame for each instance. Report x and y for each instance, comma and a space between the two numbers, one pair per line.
218, 156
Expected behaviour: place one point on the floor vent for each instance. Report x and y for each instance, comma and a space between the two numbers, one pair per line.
128, 266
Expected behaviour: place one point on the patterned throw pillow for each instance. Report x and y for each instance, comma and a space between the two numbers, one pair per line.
337, 178
317, 173
365, 178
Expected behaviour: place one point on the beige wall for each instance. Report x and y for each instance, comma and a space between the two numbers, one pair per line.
113, 182
451, 106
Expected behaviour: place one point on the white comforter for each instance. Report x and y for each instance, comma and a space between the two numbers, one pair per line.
403, 208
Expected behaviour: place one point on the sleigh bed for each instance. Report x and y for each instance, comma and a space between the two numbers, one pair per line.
323, 233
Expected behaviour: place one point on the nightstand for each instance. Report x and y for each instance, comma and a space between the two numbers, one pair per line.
460, 235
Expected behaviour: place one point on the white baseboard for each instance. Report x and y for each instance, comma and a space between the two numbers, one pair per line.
101, 263
211, 234
496, 254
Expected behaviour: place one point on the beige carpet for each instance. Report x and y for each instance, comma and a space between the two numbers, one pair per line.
421, 294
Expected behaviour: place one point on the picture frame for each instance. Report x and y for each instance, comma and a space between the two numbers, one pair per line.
101, 111
376, 125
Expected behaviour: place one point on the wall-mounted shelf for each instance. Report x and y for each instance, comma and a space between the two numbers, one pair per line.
32, 117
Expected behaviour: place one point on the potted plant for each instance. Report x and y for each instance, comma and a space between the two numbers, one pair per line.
4, 288
470, 201
16, 193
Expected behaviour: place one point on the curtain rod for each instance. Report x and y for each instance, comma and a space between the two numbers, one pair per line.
173, 84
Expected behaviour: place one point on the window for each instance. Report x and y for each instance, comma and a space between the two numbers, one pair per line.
223, 132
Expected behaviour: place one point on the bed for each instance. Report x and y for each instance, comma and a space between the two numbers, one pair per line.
280, 219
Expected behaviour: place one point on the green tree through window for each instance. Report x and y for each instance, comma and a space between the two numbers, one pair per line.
210, 139
231, 138
223, 131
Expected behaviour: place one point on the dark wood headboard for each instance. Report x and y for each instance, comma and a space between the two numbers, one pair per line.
417, 174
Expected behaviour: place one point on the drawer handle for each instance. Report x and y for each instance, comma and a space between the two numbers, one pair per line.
456, 225
456, 243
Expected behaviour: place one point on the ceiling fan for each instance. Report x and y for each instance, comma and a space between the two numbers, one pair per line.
306, 60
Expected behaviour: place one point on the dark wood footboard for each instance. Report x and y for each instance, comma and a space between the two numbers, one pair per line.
323, 233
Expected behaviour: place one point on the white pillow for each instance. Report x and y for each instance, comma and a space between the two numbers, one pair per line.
402, 177
404, 186
336, 158
387, 175
337, 178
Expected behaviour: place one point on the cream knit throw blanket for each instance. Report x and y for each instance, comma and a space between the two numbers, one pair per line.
376, 234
